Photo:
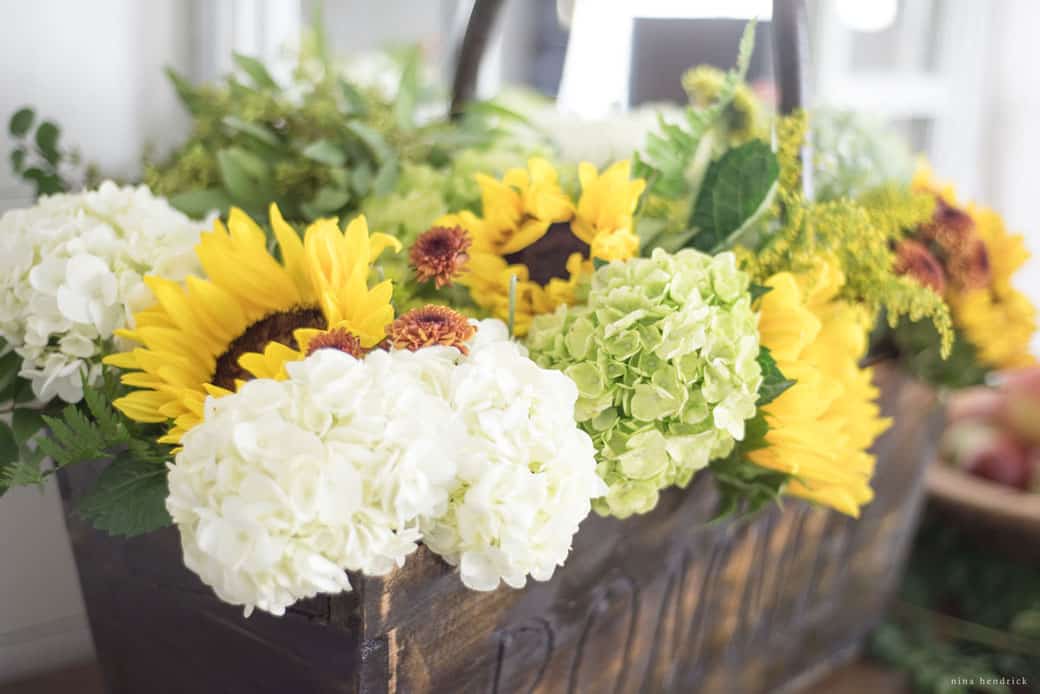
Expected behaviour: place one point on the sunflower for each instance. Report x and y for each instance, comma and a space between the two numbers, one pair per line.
532, 230
994, 316
209, 335
821, 427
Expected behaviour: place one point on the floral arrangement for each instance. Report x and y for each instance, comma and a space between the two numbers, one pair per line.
494, 350
966, 254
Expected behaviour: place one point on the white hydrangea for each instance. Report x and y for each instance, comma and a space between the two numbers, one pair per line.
71, 271
527, 474
288, 484
348, 464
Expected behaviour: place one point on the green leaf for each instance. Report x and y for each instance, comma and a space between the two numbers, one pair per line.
774, 383
254, 130
256, 70
21, 121
23, 392
386, 178
408, 91
757, 291
10, 365
372, 140
355, 101
46, 183
129, 499
329, 200
47, 140
26, 423
361, 179
325, 152
735, 187
8, 445
246, 176
17, 160
186, 92
199, 203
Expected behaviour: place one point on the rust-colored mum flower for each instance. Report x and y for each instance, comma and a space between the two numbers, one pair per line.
439, 254
428, 326
953, 231
914, 259
337, 338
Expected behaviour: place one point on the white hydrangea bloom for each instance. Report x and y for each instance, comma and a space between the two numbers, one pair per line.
348, 464
286, 485
527, 474
71, 271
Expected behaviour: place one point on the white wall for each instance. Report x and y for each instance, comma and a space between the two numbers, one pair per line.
95, 67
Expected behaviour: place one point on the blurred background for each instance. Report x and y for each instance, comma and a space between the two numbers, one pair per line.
954, 78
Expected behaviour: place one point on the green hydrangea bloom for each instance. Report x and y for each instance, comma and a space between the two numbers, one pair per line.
664, 355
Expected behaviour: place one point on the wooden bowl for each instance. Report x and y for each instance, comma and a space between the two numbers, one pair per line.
1005, 518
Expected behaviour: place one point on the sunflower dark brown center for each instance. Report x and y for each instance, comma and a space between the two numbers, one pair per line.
546, 258
275, 327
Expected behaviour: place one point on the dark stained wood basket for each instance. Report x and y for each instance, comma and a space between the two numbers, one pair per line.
658, 603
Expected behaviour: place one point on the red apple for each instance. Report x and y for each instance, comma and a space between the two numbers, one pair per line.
980, 402
1002, 461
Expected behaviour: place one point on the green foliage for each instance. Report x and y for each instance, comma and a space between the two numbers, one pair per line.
36, 156
320, 146
966, 611
744, 487
129, 497
670, 153
859, 235
735, 190
774, 383
917, 344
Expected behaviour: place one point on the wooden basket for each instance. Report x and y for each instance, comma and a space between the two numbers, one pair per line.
658, 603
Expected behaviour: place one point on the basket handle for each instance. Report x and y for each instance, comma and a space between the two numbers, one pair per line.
789, 48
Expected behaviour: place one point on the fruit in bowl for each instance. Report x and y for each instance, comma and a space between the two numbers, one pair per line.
993, 431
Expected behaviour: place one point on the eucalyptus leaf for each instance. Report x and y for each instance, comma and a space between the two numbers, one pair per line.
21, 121
47, 141
734, 188
199, 203
254, 130
47, 183
325, 152
408, 92
17, 160
186, 92
361, 178
373, 141
386, 179
328, 200
256, 70
246, 176
355, 101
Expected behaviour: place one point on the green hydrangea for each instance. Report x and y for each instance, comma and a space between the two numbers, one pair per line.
664, 355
